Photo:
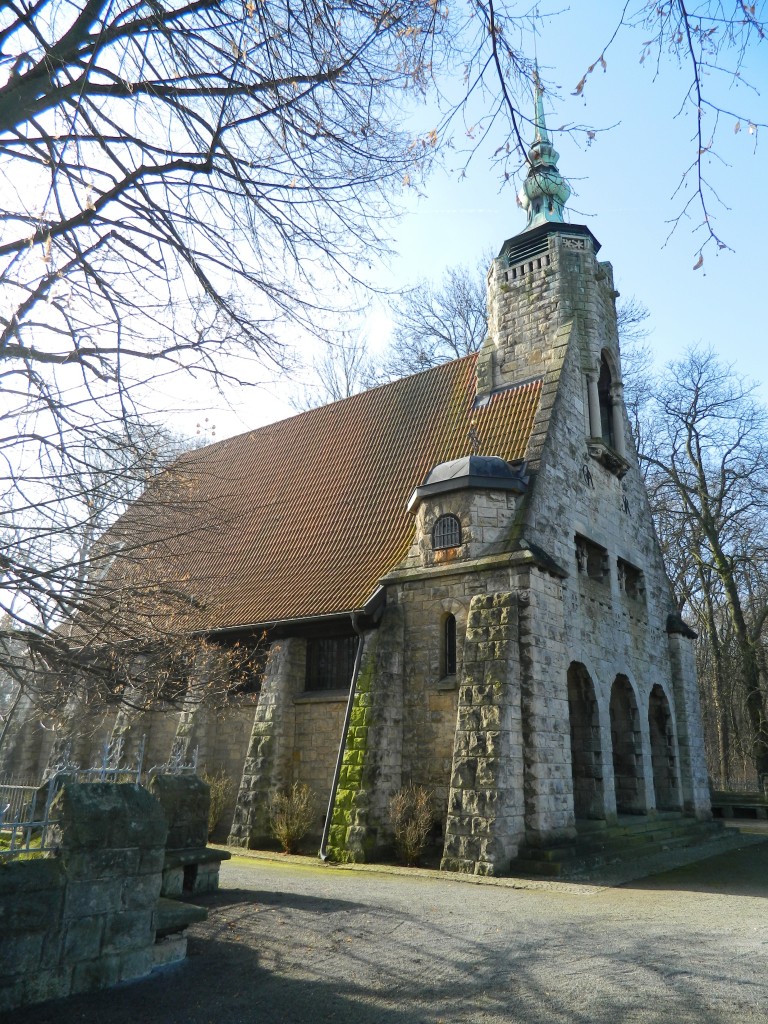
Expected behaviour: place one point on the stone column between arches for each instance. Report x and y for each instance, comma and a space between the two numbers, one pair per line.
690, 735
663, 752
548, 782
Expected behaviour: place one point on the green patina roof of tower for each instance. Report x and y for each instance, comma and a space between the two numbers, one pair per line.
303, 517
545, 191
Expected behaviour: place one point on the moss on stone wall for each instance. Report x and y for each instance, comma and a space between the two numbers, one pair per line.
348, 838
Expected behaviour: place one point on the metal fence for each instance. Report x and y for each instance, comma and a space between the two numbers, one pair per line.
27, 824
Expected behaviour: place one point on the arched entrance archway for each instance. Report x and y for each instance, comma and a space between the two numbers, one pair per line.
627, 749
663, 751
586, 756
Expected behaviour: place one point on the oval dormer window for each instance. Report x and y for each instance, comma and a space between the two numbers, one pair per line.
446, 533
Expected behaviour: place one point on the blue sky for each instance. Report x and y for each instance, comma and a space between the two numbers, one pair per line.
624, 184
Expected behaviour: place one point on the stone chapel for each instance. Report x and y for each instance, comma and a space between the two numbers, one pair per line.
459, 583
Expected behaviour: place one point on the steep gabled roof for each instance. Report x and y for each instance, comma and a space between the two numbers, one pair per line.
302, 517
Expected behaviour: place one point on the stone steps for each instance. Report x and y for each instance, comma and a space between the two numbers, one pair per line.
599, 844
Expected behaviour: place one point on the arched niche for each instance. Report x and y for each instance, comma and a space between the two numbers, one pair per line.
605, 399
663, 751
586, 754
626, 740
606, 414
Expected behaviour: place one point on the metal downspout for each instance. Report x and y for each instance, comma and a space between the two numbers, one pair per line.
322, 854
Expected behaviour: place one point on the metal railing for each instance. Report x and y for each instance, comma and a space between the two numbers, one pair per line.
26, 822
26, 826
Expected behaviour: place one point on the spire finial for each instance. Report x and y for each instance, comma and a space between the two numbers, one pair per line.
545, 191
539, 122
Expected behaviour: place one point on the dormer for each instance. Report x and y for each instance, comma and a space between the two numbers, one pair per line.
464, 508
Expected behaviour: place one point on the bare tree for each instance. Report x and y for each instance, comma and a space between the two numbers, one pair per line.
180, 180
344, 368
434, 323
710, 43
174, 175
53, 633
705, 453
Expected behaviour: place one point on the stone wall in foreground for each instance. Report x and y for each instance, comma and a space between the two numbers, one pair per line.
84, 920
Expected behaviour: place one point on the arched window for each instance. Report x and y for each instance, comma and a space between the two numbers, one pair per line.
448, 658
446, 533
606, 403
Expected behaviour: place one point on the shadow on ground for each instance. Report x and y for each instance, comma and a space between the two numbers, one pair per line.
738, 873
292, 946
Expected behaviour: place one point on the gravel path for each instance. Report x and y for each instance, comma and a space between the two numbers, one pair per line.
302, 942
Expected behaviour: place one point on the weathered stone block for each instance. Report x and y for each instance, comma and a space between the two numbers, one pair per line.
141, 891
95, 974
20, 952
137, 963
82, 938
48, 984
151, 861
12, 992
131, 929
102, 864
85, 898
464, 772
31, 876
169, 950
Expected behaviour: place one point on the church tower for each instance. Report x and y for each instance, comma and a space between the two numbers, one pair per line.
546, 278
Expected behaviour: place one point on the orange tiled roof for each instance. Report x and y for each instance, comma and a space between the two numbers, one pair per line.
303, 517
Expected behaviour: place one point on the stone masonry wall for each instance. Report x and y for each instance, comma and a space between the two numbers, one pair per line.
319, 721
690, 734
485, 807
546, 718
427, 595
221, 737
559, 319
86, 919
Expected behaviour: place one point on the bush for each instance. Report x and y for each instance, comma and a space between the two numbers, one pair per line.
291, 815
410, 813
222, 786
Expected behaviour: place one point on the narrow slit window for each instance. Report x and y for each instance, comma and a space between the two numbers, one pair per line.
449, 646
592, 560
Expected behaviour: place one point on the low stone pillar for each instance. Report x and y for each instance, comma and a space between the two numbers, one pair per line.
112, 851
185, 800
31, 905
190, 867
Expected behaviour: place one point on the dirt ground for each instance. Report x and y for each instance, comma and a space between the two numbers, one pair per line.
297, 941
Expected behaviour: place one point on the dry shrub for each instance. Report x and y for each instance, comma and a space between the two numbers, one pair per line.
410, 813
222, 786
291, 815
